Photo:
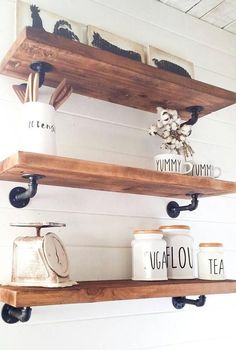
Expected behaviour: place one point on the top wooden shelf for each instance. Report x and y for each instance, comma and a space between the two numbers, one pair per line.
69, 172
103, 75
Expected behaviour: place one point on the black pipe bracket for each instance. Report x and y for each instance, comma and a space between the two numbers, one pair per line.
42, 68
195, 112
11, 314
180, 302
19, 197
173, 208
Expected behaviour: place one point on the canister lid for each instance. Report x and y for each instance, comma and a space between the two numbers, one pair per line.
147, 231
174, 227
211, 244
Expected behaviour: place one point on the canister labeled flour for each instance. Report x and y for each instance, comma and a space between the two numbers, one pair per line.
211, 261
179, 251
148, 255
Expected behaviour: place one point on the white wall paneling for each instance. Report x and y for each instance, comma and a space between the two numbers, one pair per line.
100, 224
221, 13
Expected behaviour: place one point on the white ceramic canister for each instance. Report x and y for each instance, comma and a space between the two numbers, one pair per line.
37, 131
148, 256
179, 251
211, 261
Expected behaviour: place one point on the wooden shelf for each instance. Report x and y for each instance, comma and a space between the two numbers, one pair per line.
68, 172
103, 75
94, 291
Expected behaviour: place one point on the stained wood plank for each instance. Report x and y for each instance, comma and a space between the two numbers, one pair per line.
99, 74
69, 172
95, 291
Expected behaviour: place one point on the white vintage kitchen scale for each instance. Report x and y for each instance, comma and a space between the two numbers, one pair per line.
40, 260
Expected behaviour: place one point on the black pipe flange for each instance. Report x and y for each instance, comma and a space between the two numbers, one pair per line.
11, 314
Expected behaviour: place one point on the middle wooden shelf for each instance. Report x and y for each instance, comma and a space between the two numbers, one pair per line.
69, 172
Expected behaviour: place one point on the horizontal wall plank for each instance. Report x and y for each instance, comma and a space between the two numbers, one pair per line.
108, 231
203, 7
128, 332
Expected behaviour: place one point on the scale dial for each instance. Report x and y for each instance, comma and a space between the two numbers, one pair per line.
55, 254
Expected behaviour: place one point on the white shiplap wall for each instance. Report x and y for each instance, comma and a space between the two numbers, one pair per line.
99, 224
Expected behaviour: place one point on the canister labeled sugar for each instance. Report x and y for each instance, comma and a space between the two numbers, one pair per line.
148, 255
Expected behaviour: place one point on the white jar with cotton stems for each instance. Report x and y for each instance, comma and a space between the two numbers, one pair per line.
148, 256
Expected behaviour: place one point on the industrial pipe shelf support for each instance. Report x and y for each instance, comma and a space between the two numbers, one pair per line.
180, 302
19, 197
11, 314
195, 111
173, 208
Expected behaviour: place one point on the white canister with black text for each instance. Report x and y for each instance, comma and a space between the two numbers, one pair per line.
211, 261
148, 256
179, 251
37, 131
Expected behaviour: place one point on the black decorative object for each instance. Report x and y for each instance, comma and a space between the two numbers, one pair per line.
11, 314
195, 111
42, 68
103, 44
63, 28
36, 19
19, 197
173, 208
171, 67
180, 302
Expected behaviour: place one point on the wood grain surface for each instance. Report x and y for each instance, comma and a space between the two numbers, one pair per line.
95, 291
103, 75
68, 172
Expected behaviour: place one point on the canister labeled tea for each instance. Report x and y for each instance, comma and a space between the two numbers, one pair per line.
148, 255
211, 261
179, 251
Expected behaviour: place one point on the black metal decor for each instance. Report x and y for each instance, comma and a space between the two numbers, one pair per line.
103, 44
19, 197
11, 314
36, 19
171, 67
195, 111
63, 28
173, 208
180, 302
42, 68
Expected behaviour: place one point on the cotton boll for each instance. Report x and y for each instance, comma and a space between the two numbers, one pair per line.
182, 137
173, 141
172, 146
165, 117
159, 111
173, 113
152, 130
178, 121
167, 127
186, 130
178, 144
166, 134
174, 126
168, 140
159, 124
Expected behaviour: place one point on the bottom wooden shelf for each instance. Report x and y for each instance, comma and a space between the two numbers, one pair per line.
95, 291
